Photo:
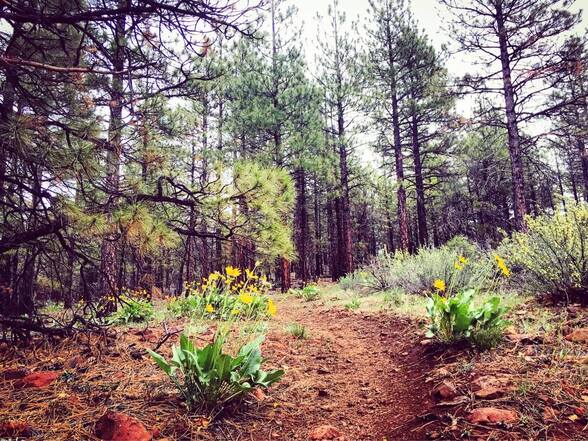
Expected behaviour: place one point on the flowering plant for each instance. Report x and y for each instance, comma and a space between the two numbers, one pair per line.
233, 293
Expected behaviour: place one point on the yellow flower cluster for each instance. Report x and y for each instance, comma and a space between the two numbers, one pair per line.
439, 285
460, 263
502, 266
248, 288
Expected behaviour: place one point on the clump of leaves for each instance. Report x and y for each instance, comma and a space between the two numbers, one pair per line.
453, 318
297, 330
132, 311
353, 304
210, 379
308, 293
552, 255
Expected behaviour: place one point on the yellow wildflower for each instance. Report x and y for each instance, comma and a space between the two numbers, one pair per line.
439, 284
209, 308
235, 312
213, 276
502, 266
232, 271
250, 274
462, 260
458, 266
246, 298
271, 307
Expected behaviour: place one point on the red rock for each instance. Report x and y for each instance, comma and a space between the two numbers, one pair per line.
549, 414
492, 415
489, 387
325, 432
580, 411
15, 428
38, 379
115, 426
259, 394
445, 391
579, 335
489, 393
15, 373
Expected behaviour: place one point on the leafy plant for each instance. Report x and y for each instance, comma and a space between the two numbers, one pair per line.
353, 304
453, 318
552, 256
354, 281
297, 330
132, 311
308, 293
464, 266
210, 379
235, 293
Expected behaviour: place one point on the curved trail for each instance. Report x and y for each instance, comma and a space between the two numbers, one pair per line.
363, 374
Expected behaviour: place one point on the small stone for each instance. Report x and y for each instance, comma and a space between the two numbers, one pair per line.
259, 394
579, 335
325, 432
549, 414
38, 379
489, 393
115, 426
445, 391
492, 415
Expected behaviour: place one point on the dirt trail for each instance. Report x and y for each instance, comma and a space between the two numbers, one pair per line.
361, 373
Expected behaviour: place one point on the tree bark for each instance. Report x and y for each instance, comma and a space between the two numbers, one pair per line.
398, 158
423, 234
514, 144
108, 254
301, 226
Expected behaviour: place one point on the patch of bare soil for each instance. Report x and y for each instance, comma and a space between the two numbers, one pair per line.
362, 375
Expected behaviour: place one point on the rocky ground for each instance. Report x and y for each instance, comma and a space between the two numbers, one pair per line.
358, 376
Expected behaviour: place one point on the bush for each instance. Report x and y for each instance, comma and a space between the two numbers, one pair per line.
209, 379
297, 330
453, 318
232, 294
308, 293
132, 311
553, 254
354, 304
464, 266
354, 281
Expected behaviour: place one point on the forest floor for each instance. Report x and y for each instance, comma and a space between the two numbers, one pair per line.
362, 374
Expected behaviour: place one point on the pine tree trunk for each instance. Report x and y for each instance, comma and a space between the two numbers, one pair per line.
318, 262
398, 158
108, 254
423, 235
345, 244
332, 237
514, 144
301, 225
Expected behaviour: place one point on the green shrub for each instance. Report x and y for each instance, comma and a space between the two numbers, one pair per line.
297, 330
209, 379
463, 266
353, 304
354, 281
453, 318
132, 311
552, 256
308, 293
